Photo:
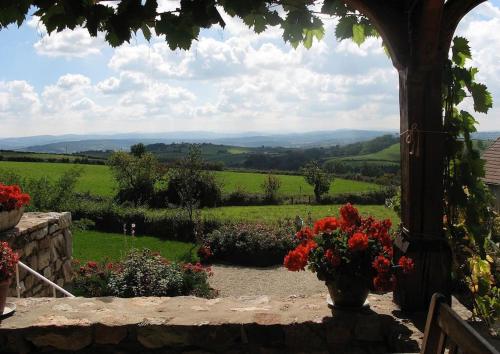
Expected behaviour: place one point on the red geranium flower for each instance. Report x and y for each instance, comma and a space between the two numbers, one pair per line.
358, 242
382, 264
406, 264
350, 215
305, 234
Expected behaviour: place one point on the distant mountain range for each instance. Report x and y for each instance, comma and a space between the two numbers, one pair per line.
72, 143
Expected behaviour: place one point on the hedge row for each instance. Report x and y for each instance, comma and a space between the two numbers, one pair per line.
163, 223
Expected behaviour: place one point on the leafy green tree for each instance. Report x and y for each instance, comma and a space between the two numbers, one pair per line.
270, 187
136, 176
318, 178
417, 35
138, 150
191, 186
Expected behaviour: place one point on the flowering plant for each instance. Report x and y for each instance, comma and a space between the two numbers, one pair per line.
349, 246
11, 197
8, 261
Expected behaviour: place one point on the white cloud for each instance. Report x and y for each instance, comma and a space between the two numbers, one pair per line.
17, 99
75, 43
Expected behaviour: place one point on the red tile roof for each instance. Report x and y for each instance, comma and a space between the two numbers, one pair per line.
492, 167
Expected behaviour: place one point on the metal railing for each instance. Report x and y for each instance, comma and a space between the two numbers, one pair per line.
41, 277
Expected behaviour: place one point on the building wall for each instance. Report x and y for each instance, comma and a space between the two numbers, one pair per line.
44, 243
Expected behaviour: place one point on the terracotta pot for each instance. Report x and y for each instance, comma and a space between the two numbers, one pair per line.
9, 219
348, 292
4, 289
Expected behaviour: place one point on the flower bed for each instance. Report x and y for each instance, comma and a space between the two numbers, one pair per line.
248, 244
141, 273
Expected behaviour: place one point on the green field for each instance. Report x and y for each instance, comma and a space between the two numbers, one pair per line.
98, 180
99, 246
274, 213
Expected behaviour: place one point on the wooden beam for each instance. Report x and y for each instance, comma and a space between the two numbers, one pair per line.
453, 12
426, 19
390, 21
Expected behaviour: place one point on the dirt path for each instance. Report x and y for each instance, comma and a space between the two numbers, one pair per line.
276, 281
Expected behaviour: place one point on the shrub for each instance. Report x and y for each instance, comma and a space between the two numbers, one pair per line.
270, 187
91, 279
249, 244
144, 273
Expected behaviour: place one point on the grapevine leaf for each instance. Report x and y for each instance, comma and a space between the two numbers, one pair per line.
460, 51
358, 34
483, 100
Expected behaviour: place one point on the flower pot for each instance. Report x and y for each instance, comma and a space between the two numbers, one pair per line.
9, 219
4, 289
349, 292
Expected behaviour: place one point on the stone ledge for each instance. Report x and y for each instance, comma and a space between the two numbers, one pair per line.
32, 222
189, 324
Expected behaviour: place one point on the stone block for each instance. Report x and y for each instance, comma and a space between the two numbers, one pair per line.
64, 220
155, 337
29, 248
58, 264
32, 261
109, 335
58, 246
53, 228
29, 281
39, 234
67, 271
43, 259
68, 238
75, 339
44, 243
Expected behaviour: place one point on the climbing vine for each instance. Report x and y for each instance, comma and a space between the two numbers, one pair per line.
468, 213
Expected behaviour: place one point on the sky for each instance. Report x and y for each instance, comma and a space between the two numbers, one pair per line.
231, 80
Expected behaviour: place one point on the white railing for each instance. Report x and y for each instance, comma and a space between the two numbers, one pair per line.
41, 277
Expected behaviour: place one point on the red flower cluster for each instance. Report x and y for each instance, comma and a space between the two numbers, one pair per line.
358, 242
204, 252
382, 264
350, 216
11, 197
406, 264
364, 244
327, 225
197, 268
296, 259
8, 261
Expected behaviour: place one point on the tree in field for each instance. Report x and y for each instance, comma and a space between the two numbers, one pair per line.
270, 187
138, 150
136, 176
417, 35
318, 178
190, 186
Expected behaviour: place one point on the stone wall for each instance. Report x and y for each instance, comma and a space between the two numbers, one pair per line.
44, 243
247, 324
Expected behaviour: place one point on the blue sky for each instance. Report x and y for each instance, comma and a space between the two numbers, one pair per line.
231, 80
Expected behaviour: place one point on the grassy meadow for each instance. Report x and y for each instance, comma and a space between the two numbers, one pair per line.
98, 179
274, 213
112, 247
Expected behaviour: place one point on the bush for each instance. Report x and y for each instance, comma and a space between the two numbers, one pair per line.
249, 244
144, 273
366, 198
141, 273
207, 191
91, 279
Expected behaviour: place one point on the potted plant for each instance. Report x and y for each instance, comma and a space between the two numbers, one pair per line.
12, 202
8, 261
351, 254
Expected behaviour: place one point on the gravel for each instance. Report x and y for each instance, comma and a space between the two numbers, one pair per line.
274, 281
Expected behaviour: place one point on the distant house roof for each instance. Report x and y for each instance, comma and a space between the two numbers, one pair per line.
492, 167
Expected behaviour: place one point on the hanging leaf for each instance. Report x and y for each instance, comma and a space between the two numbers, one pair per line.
358, 34
460, 51
146, 32
483, 100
